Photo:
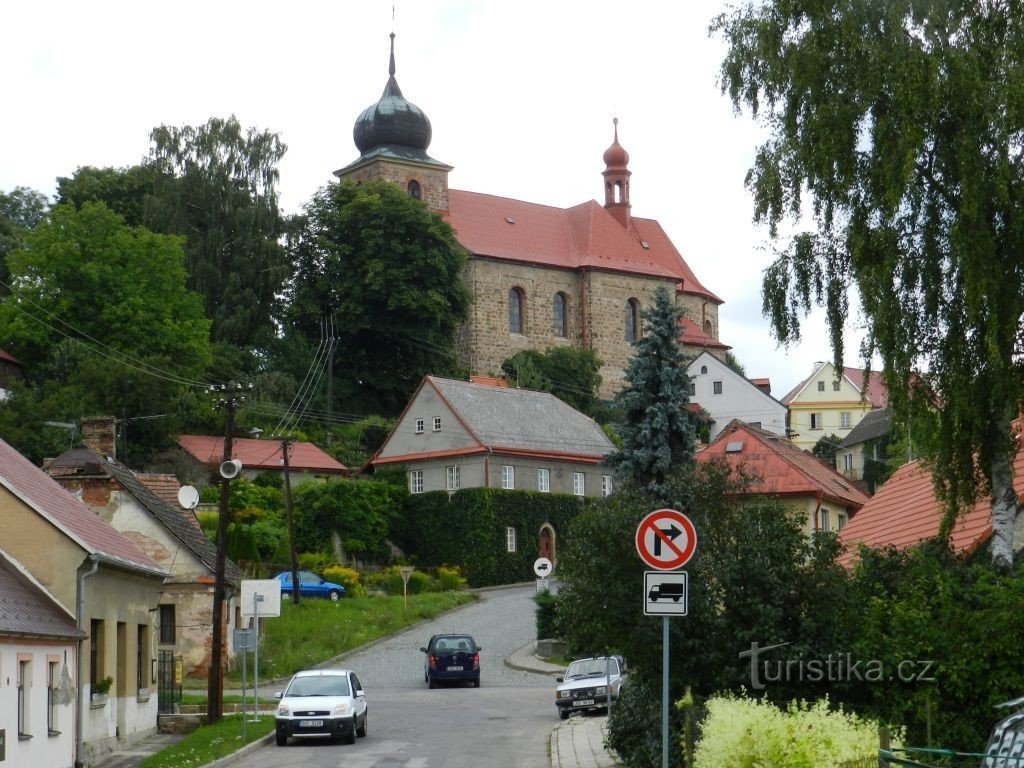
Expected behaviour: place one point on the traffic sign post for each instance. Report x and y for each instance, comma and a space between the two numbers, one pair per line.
665, 540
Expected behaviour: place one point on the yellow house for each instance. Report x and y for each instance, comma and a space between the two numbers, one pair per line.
831, 402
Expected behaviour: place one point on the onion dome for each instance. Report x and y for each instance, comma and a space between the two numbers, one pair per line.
392, 121
615, 157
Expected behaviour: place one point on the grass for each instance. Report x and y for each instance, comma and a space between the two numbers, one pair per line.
210, 742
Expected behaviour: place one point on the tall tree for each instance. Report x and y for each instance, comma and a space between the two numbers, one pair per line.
658, 433
571, 375
21, 210
900, 121
388, 271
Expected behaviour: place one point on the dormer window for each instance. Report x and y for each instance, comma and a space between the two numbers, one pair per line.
413, 188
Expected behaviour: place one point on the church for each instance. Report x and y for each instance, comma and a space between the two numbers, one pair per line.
540, 276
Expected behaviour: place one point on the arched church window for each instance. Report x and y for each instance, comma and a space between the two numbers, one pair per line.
413, 187
632, 320
559, 315
708, 329
516, 310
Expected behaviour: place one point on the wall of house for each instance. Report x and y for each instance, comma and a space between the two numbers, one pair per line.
485, 471
739, 398
47, 748
830, 403
427, 405
810, 511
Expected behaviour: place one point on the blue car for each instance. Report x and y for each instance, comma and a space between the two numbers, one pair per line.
310, 585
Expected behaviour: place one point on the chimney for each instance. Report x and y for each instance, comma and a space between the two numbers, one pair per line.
98, 435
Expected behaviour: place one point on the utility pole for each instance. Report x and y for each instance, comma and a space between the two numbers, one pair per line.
286, 443
229, 397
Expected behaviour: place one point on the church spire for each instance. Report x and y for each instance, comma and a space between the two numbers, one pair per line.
616, 179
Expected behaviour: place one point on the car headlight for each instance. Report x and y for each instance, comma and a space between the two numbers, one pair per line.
283, 710
564, 694
340, 709
602, 689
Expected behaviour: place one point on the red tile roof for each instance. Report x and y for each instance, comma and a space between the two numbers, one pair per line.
79, 523
780, 467
905, 512
261, 454
4, 355
694, 336
585, 235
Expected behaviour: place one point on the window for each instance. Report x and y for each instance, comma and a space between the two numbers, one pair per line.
835, 386
559, 315
52, 684
167, 629
708, 330
841, 520
516, 302
413, 188
703, 369
415, 481
816, 421
716, 387
578, 483
543, 480
821, 386
847, 462
419, 426
510, 539
632, 320
606, 485
508, 476
96, 669
825, 524
437, 423
453, 478
24, 681
844, 419
142, 662
693, 389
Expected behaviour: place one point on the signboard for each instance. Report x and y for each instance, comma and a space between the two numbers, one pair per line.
263, 595
543, 567
245, 640
666, 539
665, 594
542, 585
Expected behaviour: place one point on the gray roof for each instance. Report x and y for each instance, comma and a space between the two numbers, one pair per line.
522, 420
171, 518
27, 610
873, 425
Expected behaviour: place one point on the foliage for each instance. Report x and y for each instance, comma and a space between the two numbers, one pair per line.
634, 725
658, 434
900, 125
358, 511
449, 579
21, 210
208, 743
387, 271
102, 686
570, 374
736, 365
392, 583
547, 615
744, 733
826, 447
347, 577
102, 320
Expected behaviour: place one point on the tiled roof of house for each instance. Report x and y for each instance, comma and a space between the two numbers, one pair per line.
5, 355
585, 235
27, 609
875, 391
49, 499
694, 336
262, 454
873, 425
172, 517
905, 512
781, 468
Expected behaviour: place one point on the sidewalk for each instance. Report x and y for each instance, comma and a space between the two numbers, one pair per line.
575, 743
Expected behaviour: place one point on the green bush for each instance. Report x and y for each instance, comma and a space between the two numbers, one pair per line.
747, 733
450, 579
419, 582
634, 725
547, 616
347, 577
317, 562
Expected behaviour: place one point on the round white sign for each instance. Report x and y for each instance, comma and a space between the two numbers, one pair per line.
543, 567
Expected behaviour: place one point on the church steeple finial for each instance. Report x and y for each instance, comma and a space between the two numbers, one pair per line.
391, 64
616, 179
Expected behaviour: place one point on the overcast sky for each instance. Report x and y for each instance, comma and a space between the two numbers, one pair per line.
521, 96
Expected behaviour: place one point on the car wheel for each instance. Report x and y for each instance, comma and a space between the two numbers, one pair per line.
476, 683
282, 739
431, 682
563, 714
361, 730
286, 594
350, 735
335, 595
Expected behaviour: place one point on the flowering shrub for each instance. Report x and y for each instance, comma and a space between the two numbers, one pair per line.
347, 577
741, 732
450, 579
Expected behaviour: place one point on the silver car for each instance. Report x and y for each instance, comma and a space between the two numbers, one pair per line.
326, 703
589, 684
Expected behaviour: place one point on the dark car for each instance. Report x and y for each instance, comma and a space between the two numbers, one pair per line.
451, 658
310, 585
329, 703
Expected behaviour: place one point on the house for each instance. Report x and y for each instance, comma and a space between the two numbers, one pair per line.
832, 403
540, 276
305, 461
862, 456
804, 483
172, 538
466, 434
106, 582
10, 369
905, 512
725, 395
38, 653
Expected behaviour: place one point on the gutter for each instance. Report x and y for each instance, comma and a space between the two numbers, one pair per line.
79, 617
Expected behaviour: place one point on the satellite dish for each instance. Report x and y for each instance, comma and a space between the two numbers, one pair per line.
188, 497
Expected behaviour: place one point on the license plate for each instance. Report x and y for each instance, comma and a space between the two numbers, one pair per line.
454, 669
311, 723
583, 703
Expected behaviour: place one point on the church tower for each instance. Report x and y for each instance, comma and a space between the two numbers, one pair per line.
616, 180
392, 137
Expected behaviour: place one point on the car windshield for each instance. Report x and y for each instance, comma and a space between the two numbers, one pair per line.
591, 668
457, 643
326, 685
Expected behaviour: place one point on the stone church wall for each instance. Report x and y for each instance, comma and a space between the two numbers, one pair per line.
433, 181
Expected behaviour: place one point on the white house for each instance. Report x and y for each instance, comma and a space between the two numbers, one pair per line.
726, 396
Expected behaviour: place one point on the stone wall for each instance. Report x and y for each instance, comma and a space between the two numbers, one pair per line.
433, 181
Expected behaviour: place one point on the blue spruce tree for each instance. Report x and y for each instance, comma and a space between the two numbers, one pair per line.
658, 433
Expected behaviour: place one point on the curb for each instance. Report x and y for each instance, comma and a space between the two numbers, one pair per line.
252, 746
538, 665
